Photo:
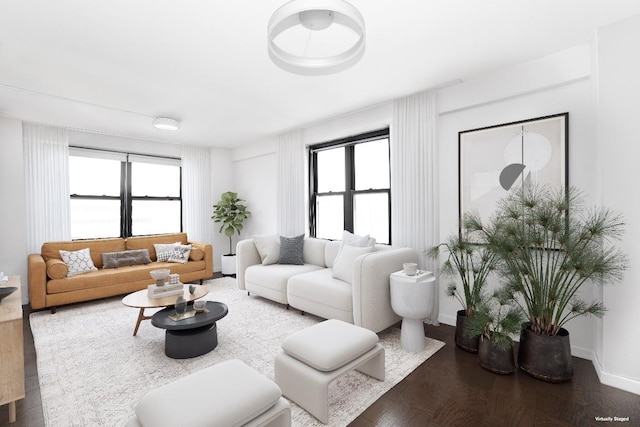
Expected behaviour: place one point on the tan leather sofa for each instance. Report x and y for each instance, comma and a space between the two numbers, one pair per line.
50, 287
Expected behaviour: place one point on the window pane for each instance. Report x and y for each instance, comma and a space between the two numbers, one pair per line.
331, 170
148, 179
371, 216
94, 177
95, 218
372, 164
155, 217
330, 217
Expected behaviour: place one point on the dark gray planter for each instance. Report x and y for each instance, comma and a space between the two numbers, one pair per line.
494, 359
463, 340
547, 358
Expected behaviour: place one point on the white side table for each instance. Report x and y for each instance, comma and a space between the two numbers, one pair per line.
412, 297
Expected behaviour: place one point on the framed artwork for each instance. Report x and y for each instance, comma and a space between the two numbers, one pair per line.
495, 160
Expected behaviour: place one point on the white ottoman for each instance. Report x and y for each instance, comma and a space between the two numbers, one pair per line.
227, 394
315, 356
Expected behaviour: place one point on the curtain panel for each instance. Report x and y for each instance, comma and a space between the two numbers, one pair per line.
414, 178
46, 157
197, 204
291, 203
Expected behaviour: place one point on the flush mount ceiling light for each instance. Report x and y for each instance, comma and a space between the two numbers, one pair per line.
303, 22
166, 123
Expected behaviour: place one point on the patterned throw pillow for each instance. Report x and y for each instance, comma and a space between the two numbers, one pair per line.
78, 262
180, 254
164, 251
291, 250
123, 258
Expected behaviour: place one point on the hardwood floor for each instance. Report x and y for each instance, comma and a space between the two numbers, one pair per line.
449, 389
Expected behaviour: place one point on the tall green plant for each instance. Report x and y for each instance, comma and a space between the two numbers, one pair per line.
549, 246
231, 213
470, 262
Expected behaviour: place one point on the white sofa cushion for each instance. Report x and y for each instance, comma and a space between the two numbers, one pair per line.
268, 247
239, 395
330, 344
331, 251
313, 251
320, 288
343, 265
271, 281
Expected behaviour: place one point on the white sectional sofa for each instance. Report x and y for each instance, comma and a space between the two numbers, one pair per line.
312, 287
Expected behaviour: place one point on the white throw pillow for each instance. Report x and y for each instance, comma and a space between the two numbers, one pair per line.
343, 267
268, 247
164, 251
351, 239
77, 262
180, 254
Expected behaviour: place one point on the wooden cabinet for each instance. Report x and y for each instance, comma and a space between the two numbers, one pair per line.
11, 348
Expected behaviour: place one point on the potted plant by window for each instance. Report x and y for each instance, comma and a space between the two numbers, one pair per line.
548, 247
231, 213
495, 321
471, 263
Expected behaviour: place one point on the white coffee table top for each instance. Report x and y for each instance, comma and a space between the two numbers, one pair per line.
140, 299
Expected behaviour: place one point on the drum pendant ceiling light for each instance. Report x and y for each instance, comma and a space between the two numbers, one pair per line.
166, 123
315, 16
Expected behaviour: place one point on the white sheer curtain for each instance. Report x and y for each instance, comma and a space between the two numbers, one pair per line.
291, 182
46, 158
414, 177
197, 204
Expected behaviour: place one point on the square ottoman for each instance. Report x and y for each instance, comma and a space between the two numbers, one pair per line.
313, 357
227, 394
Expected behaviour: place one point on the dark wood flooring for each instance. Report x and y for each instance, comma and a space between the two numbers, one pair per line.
449, 389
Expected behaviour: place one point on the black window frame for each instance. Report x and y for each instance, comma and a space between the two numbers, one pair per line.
350, 191
126, 198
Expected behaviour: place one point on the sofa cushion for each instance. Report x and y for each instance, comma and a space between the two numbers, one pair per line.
196, 254
124, 258
343, 266
320, 287
331, 251
56, 269
180, 254
78, 262
291, 250
268, 247
351, 239
313, 251
51, 250
118, 276
271, 281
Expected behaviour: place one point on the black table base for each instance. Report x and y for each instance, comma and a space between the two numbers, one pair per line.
187, 343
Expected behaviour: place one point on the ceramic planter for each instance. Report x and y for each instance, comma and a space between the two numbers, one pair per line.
228, 265
547, 358
494, 359
463, 340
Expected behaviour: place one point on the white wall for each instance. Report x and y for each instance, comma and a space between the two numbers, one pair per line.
222, 178
618, 91
13, 225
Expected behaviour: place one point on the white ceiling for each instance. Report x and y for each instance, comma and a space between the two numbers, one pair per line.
110, 66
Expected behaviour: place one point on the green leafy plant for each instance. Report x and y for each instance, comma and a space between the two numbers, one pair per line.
470, 262
497, 318
549, 246
231, 213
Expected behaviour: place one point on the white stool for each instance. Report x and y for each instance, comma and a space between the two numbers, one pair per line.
227, 394
315, 356
413, 298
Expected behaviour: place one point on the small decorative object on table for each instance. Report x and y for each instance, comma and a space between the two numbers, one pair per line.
192, 288
200, 305
181, 305
410, 268
174, 279
160, 275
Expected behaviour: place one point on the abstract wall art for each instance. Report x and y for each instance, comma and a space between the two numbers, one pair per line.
498, 159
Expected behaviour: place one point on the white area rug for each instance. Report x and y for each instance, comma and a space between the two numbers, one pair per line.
92, 370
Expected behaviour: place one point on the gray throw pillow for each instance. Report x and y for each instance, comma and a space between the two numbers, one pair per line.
291, 250
123, 258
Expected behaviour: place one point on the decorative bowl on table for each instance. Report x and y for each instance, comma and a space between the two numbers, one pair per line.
199, 305
5, 292
160, 275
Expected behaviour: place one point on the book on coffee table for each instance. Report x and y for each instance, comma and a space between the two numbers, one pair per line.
155, 291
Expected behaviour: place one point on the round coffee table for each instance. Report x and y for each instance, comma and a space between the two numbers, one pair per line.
141, 300
190, 336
